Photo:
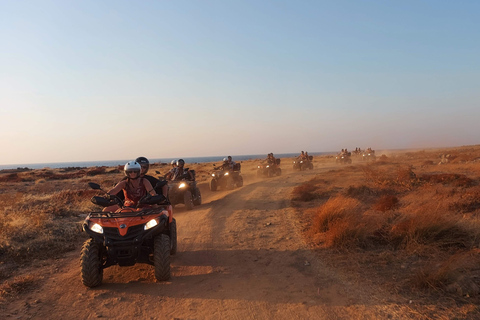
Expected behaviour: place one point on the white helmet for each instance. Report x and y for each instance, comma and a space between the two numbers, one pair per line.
225, 160
173, 162
132, 166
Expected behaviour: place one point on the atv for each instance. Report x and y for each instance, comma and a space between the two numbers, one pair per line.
343, 158
303, 164
184, 191
226, 178
266, 169
128, 236
369, 155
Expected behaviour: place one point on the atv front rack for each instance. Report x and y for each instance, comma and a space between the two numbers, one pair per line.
143, 212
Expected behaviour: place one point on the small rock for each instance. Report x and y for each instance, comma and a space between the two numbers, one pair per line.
306, 263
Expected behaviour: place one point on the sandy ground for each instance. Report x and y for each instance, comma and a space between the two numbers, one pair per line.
240, 256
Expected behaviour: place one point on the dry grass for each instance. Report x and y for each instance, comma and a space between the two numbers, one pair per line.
422, 215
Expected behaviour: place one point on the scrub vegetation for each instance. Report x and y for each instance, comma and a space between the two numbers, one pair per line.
410, 219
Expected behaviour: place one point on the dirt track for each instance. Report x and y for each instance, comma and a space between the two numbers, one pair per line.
240, 256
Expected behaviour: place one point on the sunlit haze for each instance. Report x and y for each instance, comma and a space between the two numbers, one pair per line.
106, 80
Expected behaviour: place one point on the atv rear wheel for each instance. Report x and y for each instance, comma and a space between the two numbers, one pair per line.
213, 185
198, 197
173, 237
161, 257
188, 200
91, 264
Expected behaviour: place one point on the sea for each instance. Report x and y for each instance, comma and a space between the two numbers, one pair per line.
113, 163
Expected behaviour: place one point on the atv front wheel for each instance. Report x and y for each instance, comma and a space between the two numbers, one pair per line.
198, 197
213, 185
161, 257
187, 200
91, 264
173, 237
240, 182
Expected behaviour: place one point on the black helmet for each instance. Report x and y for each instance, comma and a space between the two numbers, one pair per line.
180, 162
143, 162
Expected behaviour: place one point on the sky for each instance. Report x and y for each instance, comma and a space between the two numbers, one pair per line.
105, 80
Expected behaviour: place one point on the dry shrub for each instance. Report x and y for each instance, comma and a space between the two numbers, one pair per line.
402, 176
95, 171
10, 177
458, 274
457, 180
431, 228
462, 158
385, 203
304, 192
343, 225
428, 163
17, 285
405, 176
382, 159
360, 192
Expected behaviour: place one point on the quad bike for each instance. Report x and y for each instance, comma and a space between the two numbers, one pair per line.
225, 178
184, 191
128, 236
268, 169
301, 164
343, 158
369, 155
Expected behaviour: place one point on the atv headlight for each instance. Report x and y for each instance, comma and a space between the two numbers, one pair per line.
268, 166
213, 174
226, 173
150, 224
97, 228
258, 167
182, 185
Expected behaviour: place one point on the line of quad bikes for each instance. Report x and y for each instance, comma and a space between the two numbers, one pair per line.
147, 233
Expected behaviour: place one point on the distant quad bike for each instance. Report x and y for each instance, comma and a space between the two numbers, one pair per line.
369, 155
184, 191
269, 170
227, 179
128, 236
343, 158
299, 164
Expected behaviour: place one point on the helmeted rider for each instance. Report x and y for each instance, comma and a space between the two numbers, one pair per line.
178, 173
134, 186
157, 184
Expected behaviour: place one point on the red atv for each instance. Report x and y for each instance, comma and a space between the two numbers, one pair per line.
128, 236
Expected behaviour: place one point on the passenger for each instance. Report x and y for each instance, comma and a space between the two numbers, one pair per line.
228, 163
301, 156
179, 172
145, 164
134, 187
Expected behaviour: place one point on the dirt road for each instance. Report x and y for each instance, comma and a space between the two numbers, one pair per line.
240, 256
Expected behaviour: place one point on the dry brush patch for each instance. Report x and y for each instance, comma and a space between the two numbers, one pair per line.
405, 212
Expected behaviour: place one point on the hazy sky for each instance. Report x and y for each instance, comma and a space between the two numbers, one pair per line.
106, 80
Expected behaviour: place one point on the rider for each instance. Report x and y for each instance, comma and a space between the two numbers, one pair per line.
301, 156
179, 171
271, 160
228, 163
145, 164
134, 187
